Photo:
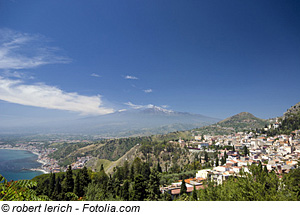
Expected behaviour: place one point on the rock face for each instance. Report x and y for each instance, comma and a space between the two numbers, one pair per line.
293, 109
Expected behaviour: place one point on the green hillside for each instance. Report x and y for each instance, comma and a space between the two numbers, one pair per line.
239, 122
113, 149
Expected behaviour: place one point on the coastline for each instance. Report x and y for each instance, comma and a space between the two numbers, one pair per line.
39, 170
39, 161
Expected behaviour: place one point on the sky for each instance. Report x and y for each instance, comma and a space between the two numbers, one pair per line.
71, 58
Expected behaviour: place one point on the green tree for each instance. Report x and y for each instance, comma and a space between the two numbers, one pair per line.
206, 156
78, 189
146, 171
246, 151
57, 189
137, 166
158, 167
51, 184
217, 161
153, 190
125, 170
110, 187
95, 192
125, 190
183, 188
139, 187
68, 181
84, 177
194, 194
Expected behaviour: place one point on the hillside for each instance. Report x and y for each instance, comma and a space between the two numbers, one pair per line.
288, 123
292, 110
113, 149
242, 121
239, 122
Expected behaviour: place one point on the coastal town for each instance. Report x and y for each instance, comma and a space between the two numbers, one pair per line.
48, 165
279, 153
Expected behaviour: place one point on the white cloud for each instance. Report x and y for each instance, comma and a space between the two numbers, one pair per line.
131, 77
95, 75
23, 51
138, 106
16, 74
41, 95
122, 110
133, 106
148, 91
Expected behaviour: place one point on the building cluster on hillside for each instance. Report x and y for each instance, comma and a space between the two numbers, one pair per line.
80, 162
279, 153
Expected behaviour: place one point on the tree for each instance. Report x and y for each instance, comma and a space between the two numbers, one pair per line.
217, 161
246, 151
51, 184
206, 156
183, 188
82, 180
84, 177
153, 190
137, 165
194, 194
110, 187
125, 170
57, 189
131, 173
100, 178
146, 171
95, 192
77, 186
158, 167
125, 190
68, 181
138, 192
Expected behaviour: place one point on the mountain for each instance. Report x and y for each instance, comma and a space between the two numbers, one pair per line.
243, 120
154, 120
239, 122
136, 122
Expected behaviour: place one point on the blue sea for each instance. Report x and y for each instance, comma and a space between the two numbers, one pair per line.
15, 164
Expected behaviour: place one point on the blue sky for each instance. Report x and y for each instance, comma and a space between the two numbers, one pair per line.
216, 58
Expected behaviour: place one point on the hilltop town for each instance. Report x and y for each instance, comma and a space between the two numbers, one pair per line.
278, 153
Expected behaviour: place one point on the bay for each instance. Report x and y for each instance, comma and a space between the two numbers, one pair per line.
15, 164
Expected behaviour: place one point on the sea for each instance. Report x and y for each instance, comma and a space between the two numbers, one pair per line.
16, 164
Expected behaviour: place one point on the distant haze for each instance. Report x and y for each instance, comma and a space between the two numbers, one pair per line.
154, 120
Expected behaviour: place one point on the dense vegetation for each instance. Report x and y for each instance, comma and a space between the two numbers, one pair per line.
129, 182
138, 182
19, 191
116, 148
257, 185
